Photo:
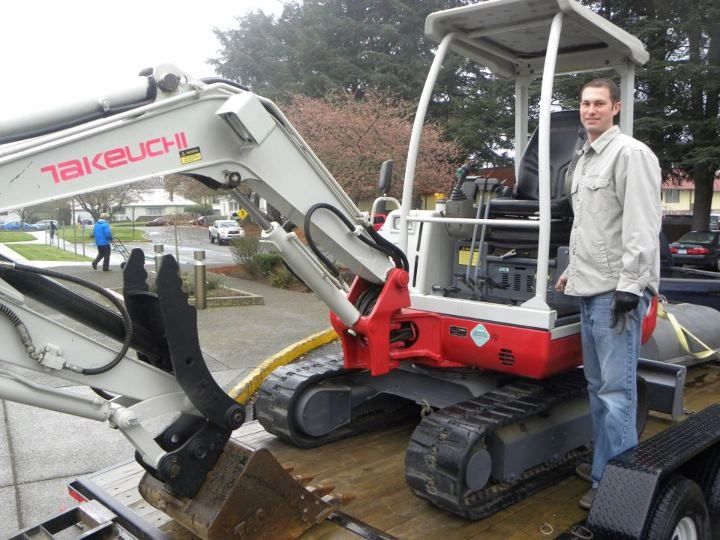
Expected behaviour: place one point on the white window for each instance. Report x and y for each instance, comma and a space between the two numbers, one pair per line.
154, 211
671, 195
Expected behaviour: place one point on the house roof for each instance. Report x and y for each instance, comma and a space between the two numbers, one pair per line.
688, 184
158, 197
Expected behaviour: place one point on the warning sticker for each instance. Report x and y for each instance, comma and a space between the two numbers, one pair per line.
480, 335
190, 155
464, 256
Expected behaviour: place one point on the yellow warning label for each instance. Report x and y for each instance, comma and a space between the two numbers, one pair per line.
190, 155
464, 256
240, 214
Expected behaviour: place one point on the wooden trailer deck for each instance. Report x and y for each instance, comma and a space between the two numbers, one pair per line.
371, 468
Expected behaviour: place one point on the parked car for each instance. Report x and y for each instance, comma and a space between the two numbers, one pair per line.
698, 248
158, 222
224, 230
44, 224
19, 226
204, 221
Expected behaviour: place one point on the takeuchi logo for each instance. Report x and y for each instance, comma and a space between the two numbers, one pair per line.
114, 157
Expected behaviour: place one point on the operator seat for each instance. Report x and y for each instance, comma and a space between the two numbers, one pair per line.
567, 136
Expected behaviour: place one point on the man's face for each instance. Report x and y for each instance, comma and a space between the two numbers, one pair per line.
597, 111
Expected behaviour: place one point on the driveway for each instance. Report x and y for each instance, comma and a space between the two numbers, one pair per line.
189, 240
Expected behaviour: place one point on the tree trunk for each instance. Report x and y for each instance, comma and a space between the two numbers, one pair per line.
703, 177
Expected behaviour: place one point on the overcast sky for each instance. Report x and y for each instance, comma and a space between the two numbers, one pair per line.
58, 51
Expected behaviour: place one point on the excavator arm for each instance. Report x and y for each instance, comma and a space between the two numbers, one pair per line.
230, 139
219, 133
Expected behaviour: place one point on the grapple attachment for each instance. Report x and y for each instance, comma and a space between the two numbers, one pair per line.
247, 495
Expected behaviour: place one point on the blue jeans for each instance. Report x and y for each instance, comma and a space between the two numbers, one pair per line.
610, 364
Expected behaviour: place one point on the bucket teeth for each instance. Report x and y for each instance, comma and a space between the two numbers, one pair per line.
303, 479
320, 490
338, 499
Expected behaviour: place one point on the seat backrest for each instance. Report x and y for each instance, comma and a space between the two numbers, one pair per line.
566, 137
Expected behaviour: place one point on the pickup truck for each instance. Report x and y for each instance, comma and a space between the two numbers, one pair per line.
224, 230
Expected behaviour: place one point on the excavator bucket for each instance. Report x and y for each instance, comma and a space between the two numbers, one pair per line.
247, 495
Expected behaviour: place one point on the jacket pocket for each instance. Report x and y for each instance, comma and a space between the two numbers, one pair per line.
601, 258
597, 194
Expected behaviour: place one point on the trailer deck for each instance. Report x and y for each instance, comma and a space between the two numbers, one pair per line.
371, 467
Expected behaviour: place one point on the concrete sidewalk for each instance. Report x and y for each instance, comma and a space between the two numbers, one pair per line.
42, 451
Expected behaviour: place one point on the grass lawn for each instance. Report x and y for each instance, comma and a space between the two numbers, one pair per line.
126, 224
41, 252
120, 233
15, 236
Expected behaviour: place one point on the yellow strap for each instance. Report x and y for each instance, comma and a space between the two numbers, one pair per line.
245, 389
681, 331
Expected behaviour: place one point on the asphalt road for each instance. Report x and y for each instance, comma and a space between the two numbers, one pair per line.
189, 240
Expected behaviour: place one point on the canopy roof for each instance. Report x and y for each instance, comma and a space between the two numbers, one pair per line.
510, 37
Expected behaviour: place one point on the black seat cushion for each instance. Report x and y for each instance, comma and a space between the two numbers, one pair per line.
566, 137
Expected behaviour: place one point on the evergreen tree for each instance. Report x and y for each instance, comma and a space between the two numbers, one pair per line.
320, 46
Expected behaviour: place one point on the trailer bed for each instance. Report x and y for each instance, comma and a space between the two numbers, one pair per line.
371, 467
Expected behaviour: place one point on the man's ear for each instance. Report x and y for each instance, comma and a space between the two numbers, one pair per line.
616, 107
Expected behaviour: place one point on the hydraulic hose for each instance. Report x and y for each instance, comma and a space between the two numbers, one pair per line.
378, 242
22, 330
127, 323
214, 80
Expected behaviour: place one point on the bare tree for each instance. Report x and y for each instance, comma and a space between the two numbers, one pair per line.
189, 188
108, 201
28, 213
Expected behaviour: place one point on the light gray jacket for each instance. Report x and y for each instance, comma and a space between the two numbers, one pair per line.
616, 200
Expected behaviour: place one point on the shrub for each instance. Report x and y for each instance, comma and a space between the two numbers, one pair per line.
280, 277
244, 249
266, 262
212, 281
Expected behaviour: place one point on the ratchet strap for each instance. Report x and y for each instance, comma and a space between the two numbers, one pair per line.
681, 332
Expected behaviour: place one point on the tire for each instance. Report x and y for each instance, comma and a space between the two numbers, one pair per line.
680, 512
709, 479
212, 239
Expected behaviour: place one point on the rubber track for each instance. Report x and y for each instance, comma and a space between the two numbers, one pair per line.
274, 408
440, 446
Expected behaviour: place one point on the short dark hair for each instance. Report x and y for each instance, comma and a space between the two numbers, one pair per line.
604, 83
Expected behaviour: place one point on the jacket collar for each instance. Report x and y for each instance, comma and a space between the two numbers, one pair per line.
603, 140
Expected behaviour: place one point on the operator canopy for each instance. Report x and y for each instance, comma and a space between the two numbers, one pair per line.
510, 37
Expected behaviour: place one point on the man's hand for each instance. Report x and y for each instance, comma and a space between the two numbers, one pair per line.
623, 303
560, 285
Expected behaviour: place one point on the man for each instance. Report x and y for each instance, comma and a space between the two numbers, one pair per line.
103, 237
614, 267
53, 229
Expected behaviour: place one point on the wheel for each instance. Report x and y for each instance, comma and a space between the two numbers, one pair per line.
680, 512
212, 240
709, 479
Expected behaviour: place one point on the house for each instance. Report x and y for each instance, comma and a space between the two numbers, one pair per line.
152, 203
9, 216
678, 198
226, 205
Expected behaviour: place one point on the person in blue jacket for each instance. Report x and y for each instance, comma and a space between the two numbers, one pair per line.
103, 237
